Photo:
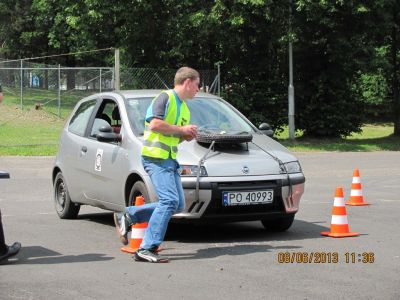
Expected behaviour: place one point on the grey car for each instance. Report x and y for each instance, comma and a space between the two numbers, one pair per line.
233, 171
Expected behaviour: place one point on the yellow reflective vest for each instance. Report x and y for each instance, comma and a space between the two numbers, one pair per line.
158, 145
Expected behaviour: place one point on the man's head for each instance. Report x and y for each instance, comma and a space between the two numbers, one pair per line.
187, 82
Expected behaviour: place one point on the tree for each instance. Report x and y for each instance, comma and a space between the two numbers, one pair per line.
74, 27
389, 33
346, 52
331, 50
18, 31
249, 39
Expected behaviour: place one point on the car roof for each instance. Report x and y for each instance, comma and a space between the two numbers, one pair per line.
153, 93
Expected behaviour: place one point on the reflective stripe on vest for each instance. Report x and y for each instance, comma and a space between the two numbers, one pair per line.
158, 145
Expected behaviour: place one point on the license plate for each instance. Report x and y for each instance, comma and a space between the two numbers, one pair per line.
247, 197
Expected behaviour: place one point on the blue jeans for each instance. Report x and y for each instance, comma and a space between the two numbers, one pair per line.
167, 183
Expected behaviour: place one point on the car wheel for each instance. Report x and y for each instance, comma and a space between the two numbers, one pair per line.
66, 209
277, 225
138, 189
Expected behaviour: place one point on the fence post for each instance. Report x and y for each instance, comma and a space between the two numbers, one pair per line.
59, 91
117, 84
219, 79
21, 95
100, 81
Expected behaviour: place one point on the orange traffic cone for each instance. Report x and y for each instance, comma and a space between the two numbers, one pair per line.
339, 223
356, 196
138, 230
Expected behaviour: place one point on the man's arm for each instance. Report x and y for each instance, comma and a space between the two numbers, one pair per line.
188, 132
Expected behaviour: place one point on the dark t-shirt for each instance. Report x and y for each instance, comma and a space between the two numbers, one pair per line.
158, 108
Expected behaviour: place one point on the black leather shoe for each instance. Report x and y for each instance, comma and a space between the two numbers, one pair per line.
12, 250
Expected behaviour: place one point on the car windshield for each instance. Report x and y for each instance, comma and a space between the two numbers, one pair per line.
206, 113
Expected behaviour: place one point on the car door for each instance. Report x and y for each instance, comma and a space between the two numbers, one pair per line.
106, 162
73, 149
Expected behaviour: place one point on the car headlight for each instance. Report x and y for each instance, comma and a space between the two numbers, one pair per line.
291, 167
189, 170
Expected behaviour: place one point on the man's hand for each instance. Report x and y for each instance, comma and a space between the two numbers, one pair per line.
189, 132
187, 138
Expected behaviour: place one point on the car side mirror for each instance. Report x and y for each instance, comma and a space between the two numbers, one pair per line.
266, 129
107, 135
106, 128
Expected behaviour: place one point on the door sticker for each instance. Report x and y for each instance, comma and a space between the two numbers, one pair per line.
99, 158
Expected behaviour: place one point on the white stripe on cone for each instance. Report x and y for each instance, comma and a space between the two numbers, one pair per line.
356, 193
356, 180
339, 220
138, 233
339, 201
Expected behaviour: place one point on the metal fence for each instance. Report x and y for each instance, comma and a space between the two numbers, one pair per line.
145, 78
57, 89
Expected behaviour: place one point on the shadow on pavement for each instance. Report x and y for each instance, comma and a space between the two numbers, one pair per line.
105, 218
40, 255
233, 250
226, 232
242, 238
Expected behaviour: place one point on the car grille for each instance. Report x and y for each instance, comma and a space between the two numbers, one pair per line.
217, 208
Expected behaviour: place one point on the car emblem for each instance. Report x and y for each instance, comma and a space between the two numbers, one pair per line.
245, 170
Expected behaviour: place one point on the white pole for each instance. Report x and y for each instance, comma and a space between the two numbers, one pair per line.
291, 87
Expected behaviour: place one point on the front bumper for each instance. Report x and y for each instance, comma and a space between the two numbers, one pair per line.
287, 194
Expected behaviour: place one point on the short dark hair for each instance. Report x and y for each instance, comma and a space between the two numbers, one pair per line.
185, 73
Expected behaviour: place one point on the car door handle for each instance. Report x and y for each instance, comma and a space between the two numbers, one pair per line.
84, 149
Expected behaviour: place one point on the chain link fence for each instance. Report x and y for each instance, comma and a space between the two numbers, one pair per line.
145, 78
56, 89
38, 97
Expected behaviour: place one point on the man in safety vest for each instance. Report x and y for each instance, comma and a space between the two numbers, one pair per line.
166, 125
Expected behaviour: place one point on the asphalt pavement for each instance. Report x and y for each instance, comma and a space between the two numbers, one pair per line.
81, 259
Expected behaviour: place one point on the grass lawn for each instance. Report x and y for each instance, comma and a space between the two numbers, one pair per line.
31, 132
374, 137
47, 99
28, 132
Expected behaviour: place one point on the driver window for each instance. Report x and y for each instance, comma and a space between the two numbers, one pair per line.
98, 123
80, 119
107, 115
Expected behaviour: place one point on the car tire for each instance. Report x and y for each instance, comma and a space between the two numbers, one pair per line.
278, 225
138, 189
208, 136
65, 208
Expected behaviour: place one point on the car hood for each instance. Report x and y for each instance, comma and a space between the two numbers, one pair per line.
260, 157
